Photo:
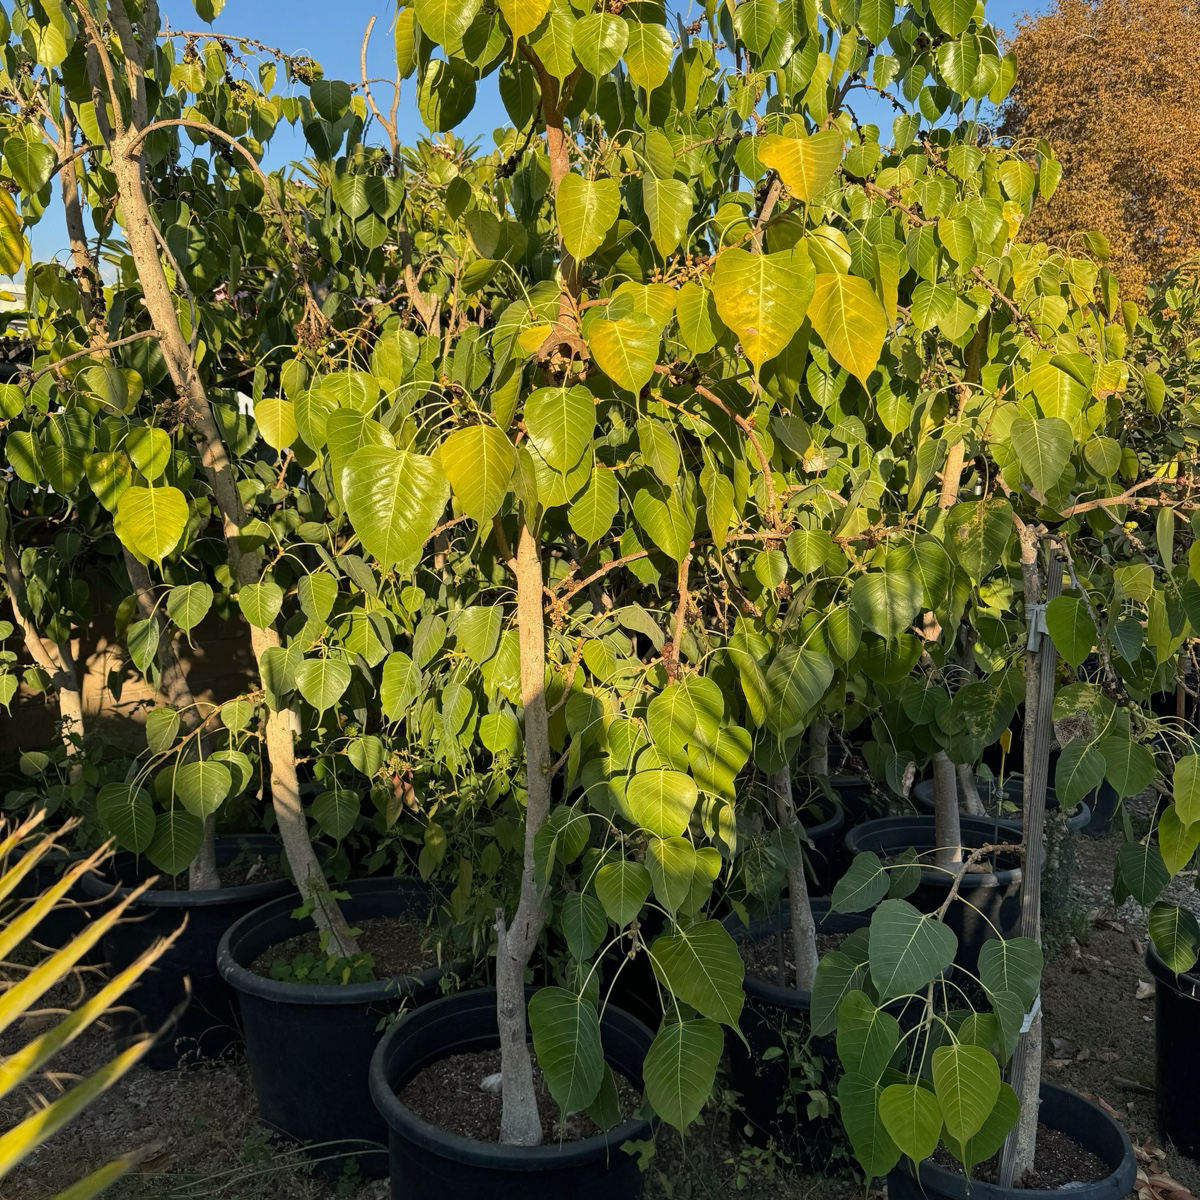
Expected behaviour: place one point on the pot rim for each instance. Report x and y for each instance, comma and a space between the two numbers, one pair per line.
955, 1185
1187, 983
247, 982
103, 885
929, 874
493, 1155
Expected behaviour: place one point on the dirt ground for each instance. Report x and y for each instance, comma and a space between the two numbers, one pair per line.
206, 1141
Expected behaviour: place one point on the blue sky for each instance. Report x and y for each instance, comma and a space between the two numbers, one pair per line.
306, 27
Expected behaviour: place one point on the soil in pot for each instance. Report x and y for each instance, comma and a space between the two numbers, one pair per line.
309, 1044
1058, 1160
395, 947
431, 1162
450, 1094
208, 1026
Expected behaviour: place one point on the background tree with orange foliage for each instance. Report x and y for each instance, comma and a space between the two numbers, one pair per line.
1115, 86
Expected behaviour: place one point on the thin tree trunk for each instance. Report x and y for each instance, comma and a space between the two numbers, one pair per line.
520, 1123
804, 929
1025, 1071
968, 793
124, 146
947, 831
817, 762
59, 666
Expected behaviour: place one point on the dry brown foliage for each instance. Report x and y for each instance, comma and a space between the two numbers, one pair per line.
1115, 86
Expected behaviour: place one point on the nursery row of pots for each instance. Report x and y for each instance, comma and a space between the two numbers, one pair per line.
341, 1094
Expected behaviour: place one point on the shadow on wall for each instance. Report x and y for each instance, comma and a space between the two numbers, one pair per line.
219, 666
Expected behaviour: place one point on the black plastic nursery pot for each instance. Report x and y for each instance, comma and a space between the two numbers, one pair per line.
309, 1046
208, 1026
1176, 1053
860, 797
774, 1021
1080, 818
1061, 1109
823, 821
988, 902
431, 1163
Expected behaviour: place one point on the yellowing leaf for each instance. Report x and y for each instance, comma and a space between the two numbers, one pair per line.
805, 164
626, 349
847, 315
523, 16
586, 210
763, 298
150, 521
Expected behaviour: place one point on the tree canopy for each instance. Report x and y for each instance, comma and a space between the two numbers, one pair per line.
1112, 84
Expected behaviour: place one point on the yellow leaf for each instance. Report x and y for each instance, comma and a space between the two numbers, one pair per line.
847, 315
805, 164
13, 248
523, 16
532, 337
763, 298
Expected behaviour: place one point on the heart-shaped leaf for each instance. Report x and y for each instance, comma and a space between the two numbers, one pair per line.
763, 298
587, 208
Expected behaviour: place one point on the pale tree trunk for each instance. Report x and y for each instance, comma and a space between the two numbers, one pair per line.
520, 1123
968, 793
59, 665
804, 929
817, 762
124, 146
1025, 1071
947, 832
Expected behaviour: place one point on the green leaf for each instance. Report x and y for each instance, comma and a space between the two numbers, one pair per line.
336, 811
127, 812
702, 967
991, 1136
908, 949
1012, 965
591, 513
858, 1099
566, 1040
188, 604
668, 204
966, 1080
625, 349
30, 164
178, 837
202, 786
478, 631
671, 863
261, 603
867, 1036
276, 421
876, 18
1176, 935
661, 802
848, 318
393, 499
445, 21
323, 681
560, 423
583, 924
553, 45
1185, 788
478, 462
162, 725
623, 887
317, 594
149, 450
716, 763
331, 97
1128, 765
863, 886
977, 532
599, 40
1080, 771
911, 1116
587, 208
887, 601
668, 515
952, 16
647, 56
1043, 448
805, 164
445, 95
696, 312
796, 681
1177, 842
1071, 628
837, 976
680, 1068
763, 298
1141, 873
151, 521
